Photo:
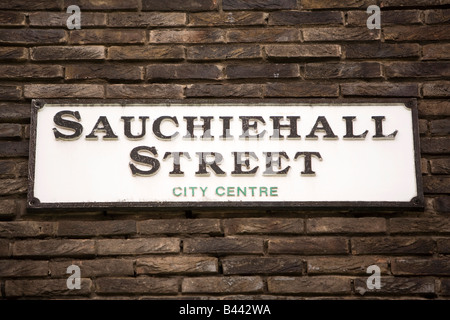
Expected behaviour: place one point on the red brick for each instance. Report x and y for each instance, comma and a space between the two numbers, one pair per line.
436, 51
301, 89
421, 266
303, 51
146, 53
32, 36
183, 71
68, 53
380, 89
187, 36
139, 285
34, 91
340, 34
179, 226
13, 53
416, 33
262, 265
422, 225
308, 246
382, 50
137, 246
154, 91
103, 5
346, 225
247, 71
146, 19
56, 19
436, 184
342, 70
93, 268
179, 5
23, 268
392, 245
308, 285
345, 265
224, 90
263, 226
209, 19
22, 229
223, 52
103, 71
263, 35
10, 92
45, 288
230, 284
177, 265
53, 248
71, 228
437, 89
105, 36
31, 71
219, 245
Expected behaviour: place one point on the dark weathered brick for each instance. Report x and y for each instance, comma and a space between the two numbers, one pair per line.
423, 126
434, 108
440, 127
34, 5
4, 248
103, 71
301, 89
70, 228
187, 36
437, 16
342, 70
380, 89
179, 226
32, 71
208, 19
53, 248
45, 288
10, 130
437, 89
308, 246
345, 265
259, 35
21, 229
177, 265
139, 285
23, 268
340, 34
436, 184
443, 245
332, 4
394, 17
7, 208
413, 3
244, 71
9, 19
416, 33
262, 265
445, 287
223, 245
382, 50
223, 52
422, 225
436, 51
258, 4
13, 53
134, 91
10, 92
420, 266
417, 69
146, 53
68, 53
137, 246
94, 268
103, 5
146, 19
263, 225
303, 51
280, 18
440, 166
442, 204
63, 91
179, 5
438, 145
396, 286
104, 36
224, 90
13, 186
14, 149
392, 245
183, 71
345, 225
229, 284
308, 285
32, 36
56, 19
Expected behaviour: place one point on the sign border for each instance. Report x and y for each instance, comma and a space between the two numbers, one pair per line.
415, 204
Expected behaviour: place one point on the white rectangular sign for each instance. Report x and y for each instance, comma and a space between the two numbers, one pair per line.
209, 155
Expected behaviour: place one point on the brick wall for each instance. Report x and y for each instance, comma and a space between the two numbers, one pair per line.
225, 49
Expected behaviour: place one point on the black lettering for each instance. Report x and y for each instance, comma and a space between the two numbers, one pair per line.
102, 125
67, 124
271, 162
157, 127
144, 160
349, 129
246, 127
206, 127
226, 128
308, 166
127, 127
325, 127
292, 126
176, 161
203, 163
379, 129
239, 162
